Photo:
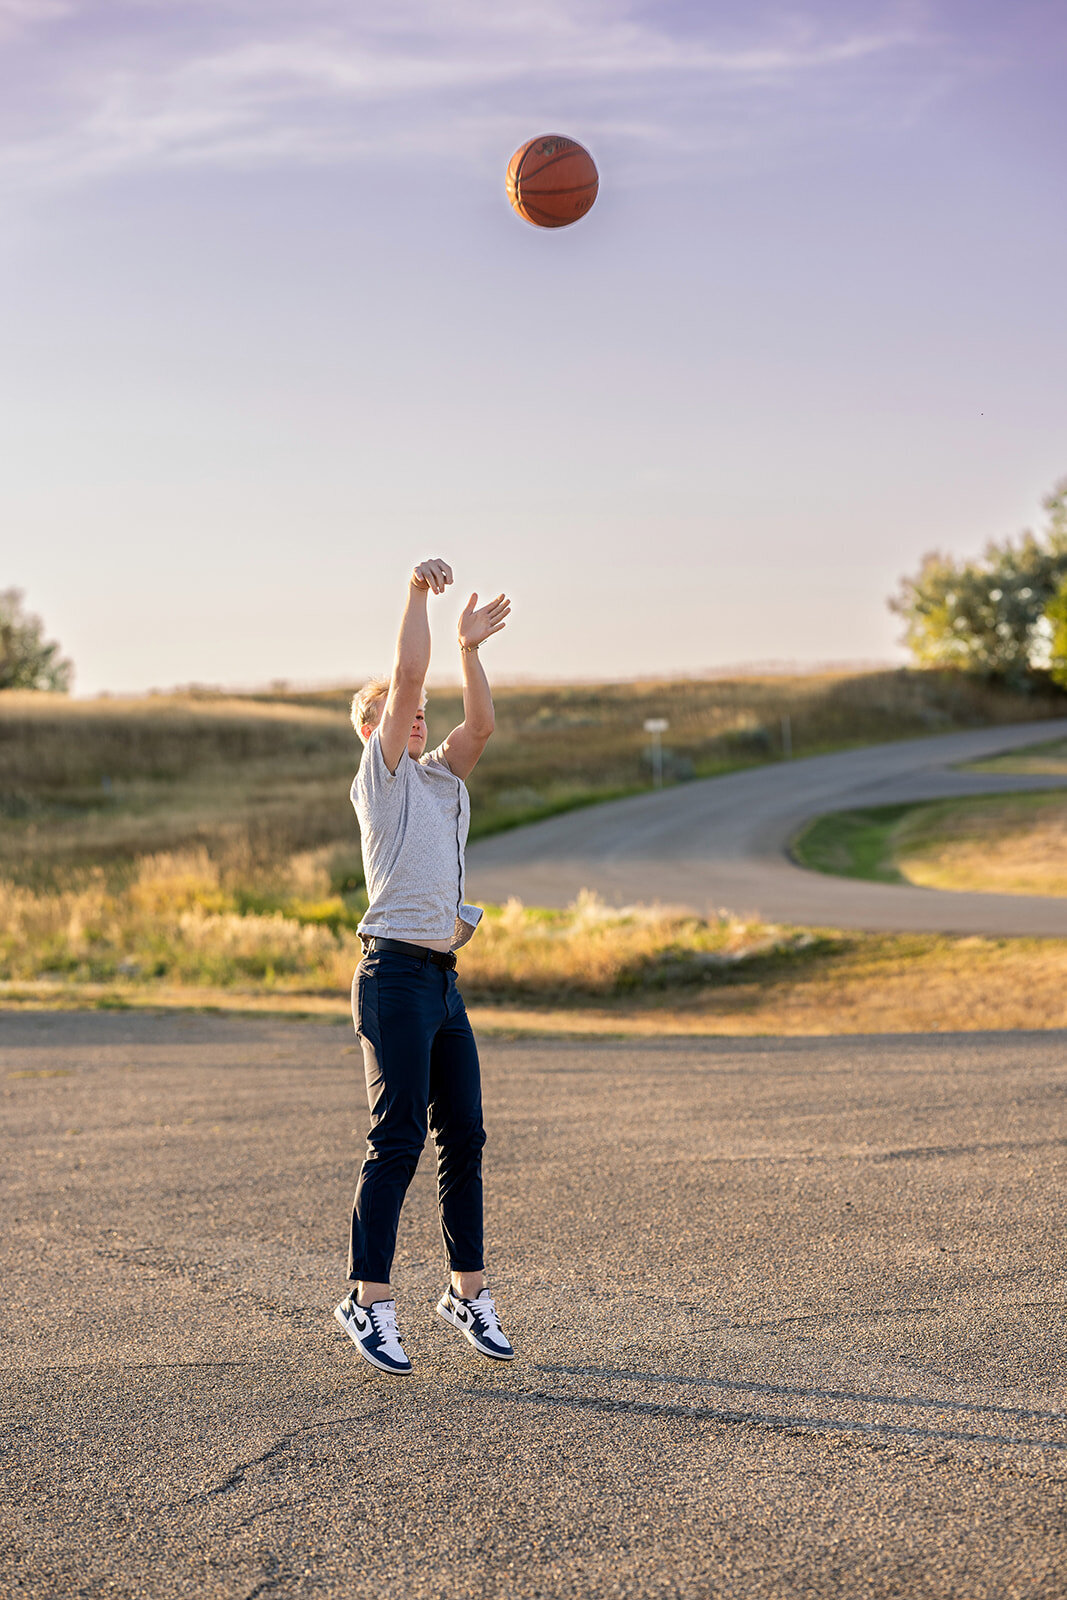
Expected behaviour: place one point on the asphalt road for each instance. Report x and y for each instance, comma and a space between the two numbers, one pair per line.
790, 1316
721, 843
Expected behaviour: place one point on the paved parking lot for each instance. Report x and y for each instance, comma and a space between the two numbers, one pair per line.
791, 1318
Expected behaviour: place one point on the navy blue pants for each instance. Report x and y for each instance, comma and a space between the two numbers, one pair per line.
421, 1065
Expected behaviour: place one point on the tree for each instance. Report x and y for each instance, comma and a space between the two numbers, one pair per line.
27, 659
1056, 617
989, 615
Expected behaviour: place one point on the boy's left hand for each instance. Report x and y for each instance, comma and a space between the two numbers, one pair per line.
477, 625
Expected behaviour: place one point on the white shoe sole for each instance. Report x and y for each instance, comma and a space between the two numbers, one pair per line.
493, 1355
394, 1372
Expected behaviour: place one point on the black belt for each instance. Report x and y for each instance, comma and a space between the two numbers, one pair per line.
400, 947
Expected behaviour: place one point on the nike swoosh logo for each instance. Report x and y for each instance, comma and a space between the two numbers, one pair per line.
361, 1325
464, 1316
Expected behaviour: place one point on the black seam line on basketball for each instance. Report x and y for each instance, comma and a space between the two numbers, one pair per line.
579, 188
533, 188
541, 219
552, 161
522, 163
536, 204
548, 217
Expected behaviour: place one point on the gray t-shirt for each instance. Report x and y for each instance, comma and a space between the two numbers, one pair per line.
413, 827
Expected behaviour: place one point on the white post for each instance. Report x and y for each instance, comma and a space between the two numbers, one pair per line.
655, 726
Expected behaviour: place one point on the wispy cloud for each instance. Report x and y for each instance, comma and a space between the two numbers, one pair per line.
142, 84
19, 16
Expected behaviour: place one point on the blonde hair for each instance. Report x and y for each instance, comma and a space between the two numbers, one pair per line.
373, 690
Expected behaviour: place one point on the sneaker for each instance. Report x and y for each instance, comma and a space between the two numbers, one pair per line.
373, 1331
478, 1320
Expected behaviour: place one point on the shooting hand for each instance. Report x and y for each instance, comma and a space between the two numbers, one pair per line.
477, 625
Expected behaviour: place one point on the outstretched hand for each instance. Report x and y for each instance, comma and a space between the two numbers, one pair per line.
433, 575
477, 625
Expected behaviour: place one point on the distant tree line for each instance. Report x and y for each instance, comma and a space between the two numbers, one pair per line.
1002, 615
27, 659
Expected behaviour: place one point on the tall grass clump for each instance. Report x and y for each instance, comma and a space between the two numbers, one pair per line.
174, 921
594, 950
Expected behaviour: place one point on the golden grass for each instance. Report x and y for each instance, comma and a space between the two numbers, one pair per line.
592, 951
173, 919
827, 983
997, 844
171, 939
1049, 758
912, 984
859, 985
1002, 844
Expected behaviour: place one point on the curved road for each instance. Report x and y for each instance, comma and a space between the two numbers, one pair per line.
721, 843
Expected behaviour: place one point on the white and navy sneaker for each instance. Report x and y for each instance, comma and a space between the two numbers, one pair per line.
478, 1320
373, 1331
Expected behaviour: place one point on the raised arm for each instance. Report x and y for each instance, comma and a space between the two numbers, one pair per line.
412, 660
464, 745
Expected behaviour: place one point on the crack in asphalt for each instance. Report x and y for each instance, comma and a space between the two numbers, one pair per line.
278, 1505
241, 1471
132, 1366
276, 1574
236, 1477
875, 1315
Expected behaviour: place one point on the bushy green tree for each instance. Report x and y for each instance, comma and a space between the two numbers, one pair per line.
27, 659
1056, 618
989, 615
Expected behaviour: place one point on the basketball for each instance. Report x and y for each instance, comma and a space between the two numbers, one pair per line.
552, 181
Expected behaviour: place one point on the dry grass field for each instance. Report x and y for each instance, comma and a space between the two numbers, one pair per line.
1048, 758
588, 970
259, 780
1004, 844
201, 849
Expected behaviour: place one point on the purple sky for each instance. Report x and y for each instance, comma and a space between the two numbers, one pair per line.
271, 331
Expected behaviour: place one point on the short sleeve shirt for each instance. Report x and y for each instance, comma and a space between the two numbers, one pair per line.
413, 827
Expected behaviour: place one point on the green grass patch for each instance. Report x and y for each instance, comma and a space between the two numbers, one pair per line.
852, 844
1000, 843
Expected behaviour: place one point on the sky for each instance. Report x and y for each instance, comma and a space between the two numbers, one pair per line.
271, 333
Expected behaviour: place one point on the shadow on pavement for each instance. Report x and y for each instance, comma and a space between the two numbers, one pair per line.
808, 1393
773, 1420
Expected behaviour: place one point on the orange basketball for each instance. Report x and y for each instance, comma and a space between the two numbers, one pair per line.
552, 181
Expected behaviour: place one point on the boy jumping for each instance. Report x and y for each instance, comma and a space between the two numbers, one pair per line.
419, 1054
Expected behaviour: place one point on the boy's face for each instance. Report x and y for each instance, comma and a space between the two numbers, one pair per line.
417, 736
